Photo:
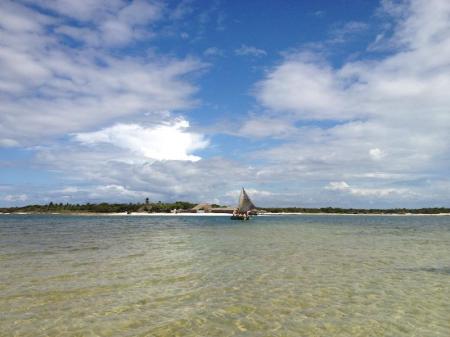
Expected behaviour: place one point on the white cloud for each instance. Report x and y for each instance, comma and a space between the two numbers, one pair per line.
234, 194
338, 186
169, 141
118, 191
5, 142
96, 193
245, 50
299, 85
342, 186
49, 87
266, 126
396, 88
379, 122
15, 197
183, 8
341, 33
69, 189
376, 154
213, 51
94, 172
376, 128
81, 10
113, 23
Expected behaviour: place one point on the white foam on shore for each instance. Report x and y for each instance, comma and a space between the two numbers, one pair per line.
259, 214
219, 214
169, 214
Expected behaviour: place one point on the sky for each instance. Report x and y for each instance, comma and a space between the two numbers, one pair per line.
304, 103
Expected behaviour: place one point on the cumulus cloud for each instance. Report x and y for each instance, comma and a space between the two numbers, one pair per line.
304, 87
373, 129
49, 87
169, 141
381, 117
95, 171
113, 23
342, 186
400, 86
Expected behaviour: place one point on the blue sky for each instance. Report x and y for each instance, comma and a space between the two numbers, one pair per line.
305, 103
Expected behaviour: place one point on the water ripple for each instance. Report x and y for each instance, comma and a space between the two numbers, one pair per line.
274, 276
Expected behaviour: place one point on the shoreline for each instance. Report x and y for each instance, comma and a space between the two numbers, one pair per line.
139, 214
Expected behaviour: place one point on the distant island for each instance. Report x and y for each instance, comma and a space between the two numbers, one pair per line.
188, 207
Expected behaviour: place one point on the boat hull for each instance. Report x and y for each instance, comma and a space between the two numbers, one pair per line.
239, 217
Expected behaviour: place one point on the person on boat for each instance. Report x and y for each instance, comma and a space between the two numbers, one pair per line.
235, 212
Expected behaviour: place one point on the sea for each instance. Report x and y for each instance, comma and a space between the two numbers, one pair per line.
291, 275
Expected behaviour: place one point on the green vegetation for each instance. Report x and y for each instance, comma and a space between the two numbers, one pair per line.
100, 208
163, 207
434, 210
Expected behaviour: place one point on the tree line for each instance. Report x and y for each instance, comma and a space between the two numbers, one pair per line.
167, 207
336, 210
104, 207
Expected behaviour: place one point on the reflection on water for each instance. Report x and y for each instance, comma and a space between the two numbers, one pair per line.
203, 276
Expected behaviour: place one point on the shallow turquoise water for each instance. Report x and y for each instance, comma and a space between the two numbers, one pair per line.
208, 276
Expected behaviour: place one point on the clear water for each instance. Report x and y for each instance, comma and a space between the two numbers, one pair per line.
209, 276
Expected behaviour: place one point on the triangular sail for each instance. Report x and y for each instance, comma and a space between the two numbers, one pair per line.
245, 204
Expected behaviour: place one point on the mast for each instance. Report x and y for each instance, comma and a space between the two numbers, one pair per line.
245, 204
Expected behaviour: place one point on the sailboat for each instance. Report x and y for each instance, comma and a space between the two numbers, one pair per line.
244, 207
